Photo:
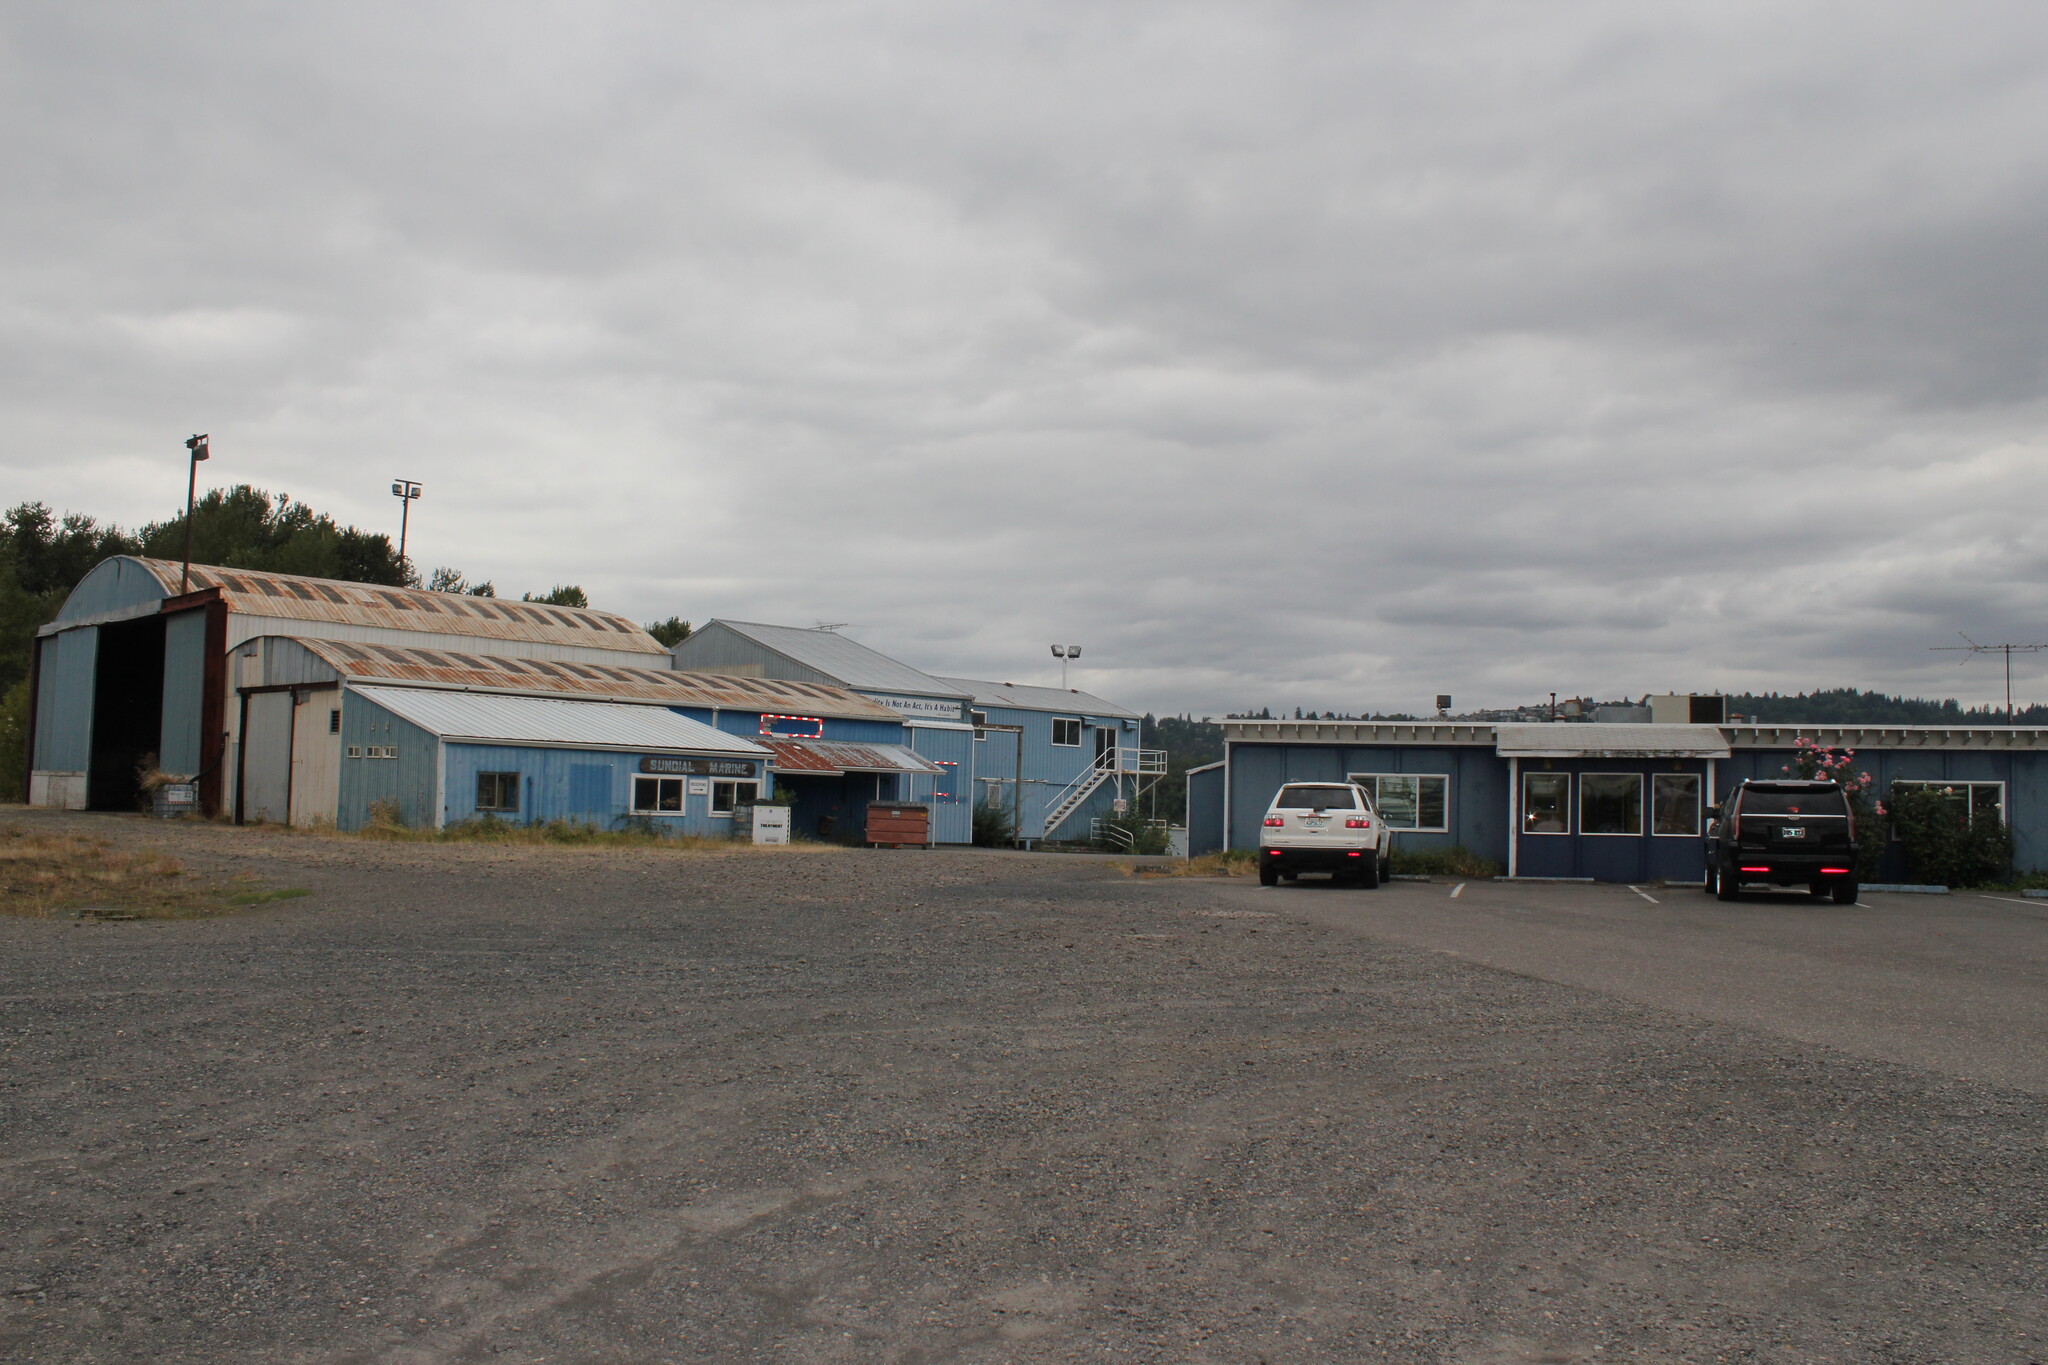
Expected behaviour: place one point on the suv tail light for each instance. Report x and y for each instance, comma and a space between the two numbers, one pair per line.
1275, 821
1357, 822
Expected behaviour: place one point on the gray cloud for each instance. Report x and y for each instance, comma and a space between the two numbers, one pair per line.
1285, 354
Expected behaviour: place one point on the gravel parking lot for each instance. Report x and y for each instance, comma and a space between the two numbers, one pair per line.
468, 1104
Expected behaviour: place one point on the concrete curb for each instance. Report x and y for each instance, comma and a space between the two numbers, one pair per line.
1575, 881
1908, 889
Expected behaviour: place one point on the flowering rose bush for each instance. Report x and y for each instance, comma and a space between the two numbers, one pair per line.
1819, 762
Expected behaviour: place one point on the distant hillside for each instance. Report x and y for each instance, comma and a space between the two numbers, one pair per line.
1847, 706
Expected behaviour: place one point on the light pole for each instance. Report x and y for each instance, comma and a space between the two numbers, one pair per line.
197, 445
405, 490
1064, 653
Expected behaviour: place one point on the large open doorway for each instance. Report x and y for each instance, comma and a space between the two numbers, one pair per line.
127, 712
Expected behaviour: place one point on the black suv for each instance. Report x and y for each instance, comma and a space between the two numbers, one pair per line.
1784, 832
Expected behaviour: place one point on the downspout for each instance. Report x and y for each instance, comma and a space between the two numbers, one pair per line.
1514, 813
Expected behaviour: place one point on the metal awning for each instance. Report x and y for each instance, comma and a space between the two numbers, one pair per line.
1567, 739
832, 758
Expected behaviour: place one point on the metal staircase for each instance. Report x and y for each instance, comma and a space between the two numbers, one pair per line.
1143, 766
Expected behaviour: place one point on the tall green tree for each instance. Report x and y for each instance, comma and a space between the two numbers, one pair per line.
246, 528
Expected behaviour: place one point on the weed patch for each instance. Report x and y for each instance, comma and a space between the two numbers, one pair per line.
43, 875
1233, 862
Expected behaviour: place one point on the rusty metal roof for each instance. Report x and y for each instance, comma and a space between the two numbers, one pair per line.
828, 758
449, 668
292, 597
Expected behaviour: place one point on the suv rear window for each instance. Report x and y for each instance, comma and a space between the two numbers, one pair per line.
1316, 798
1767, 802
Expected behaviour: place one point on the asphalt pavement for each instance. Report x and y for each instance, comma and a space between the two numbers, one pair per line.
1956, 984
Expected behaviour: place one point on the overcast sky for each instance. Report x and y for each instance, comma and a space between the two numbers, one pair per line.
1330, 355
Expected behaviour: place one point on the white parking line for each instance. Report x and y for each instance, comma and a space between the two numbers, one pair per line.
1457, 890
2009, 900
1645, 895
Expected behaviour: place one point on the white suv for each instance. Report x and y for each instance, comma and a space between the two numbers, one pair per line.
1324, 827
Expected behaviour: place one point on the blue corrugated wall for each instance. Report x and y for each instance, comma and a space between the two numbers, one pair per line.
407, 780
64, 698
586, 787
113, 585
1049, 767
951, 797
1205, 811
184, 681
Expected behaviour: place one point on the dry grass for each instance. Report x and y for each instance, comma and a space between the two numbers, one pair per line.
1235, 862
563, 834
43, 875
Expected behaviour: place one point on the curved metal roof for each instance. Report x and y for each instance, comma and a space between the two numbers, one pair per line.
447, 668
290, 597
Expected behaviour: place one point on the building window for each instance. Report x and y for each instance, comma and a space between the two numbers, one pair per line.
978, 719
728, 796
1417, 801
657, 796
1066, 732
1971, 800
1546, 803
498, 792
1675, 803
1610, 803
334, 721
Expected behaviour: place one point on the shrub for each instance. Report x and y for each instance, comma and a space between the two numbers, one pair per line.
994, 827
1942, 845
13, 741
1131, 832
1455, 861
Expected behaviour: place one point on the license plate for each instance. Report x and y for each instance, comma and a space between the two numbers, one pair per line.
1791, 832
1315, 821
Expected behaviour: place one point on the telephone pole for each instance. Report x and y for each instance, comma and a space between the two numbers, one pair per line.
1970, 646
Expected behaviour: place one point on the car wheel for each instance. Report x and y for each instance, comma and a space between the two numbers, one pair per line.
1268, 874
1369, 875
1707, 883
1726, 887
1846, 893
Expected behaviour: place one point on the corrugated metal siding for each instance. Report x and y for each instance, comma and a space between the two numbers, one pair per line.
115, 585
1049, 768
1064, 701
291, 597
581, 786
715, 646
64, 701
1205, 811
1478, 795
811, 655
288, 662
555, 723
951, 796
184, 679
407, 780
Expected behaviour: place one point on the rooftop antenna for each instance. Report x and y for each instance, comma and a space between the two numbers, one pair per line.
1972, 647
830, 625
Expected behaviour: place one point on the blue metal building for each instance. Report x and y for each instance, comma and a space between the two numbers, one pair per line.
326, 728
1614, 802
1055, 757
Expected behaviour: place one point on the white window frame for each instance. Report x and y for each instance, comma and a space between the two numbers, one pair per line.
1522, 810
2004, 797
1079, 729
654, 783
1699, 805
978, 719
752, 785
1371, 783
1579, 810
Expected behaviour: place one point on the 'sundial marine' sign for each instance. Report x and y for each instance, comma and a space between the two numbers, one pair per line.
698, 767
